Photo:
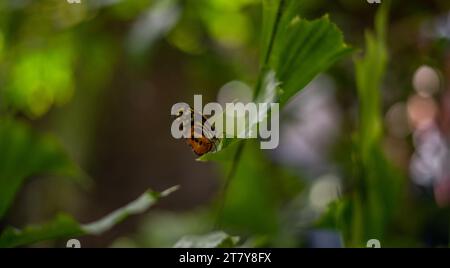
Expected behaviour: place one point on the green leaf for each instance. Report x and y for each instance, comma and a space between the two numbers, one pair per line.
217, 239
138, 206
293, 52
227, 148
368, 210
64, 226
369, 206
303, 49
25, 153
296, 49
370, 71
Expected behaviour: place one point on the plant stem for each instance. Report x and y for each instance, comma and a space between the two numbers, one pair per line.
232, 172
237, 155
269, 50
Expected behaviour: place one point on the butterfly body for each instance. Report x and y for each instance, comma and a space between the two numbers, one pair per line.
200, 146
201, 140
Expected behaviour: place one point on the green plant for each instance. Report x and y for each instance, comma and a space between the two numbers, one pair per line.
374, 191
25, 153
293, 52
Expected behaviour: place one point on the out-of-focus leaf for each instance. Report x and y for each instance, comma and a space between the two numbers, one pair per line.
370, 207
139, 205
370, 72
253, 201
152, 25
164, 228
64, 226
24, 153
367, 211
217, 239
40, 77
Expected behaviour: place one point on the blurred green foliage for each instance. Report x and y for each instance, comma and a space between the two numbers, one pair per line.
376, 186
42, 77
374, 206
64, 226
25, 153
212, 240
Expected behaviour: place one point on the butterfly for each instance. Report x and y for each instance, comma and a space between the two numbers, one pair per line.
207, 142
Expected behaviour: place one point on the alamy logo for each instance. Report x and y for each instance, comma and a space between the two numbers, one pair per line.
374, 1
74, 1
73, 243
373, 243
233, 120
